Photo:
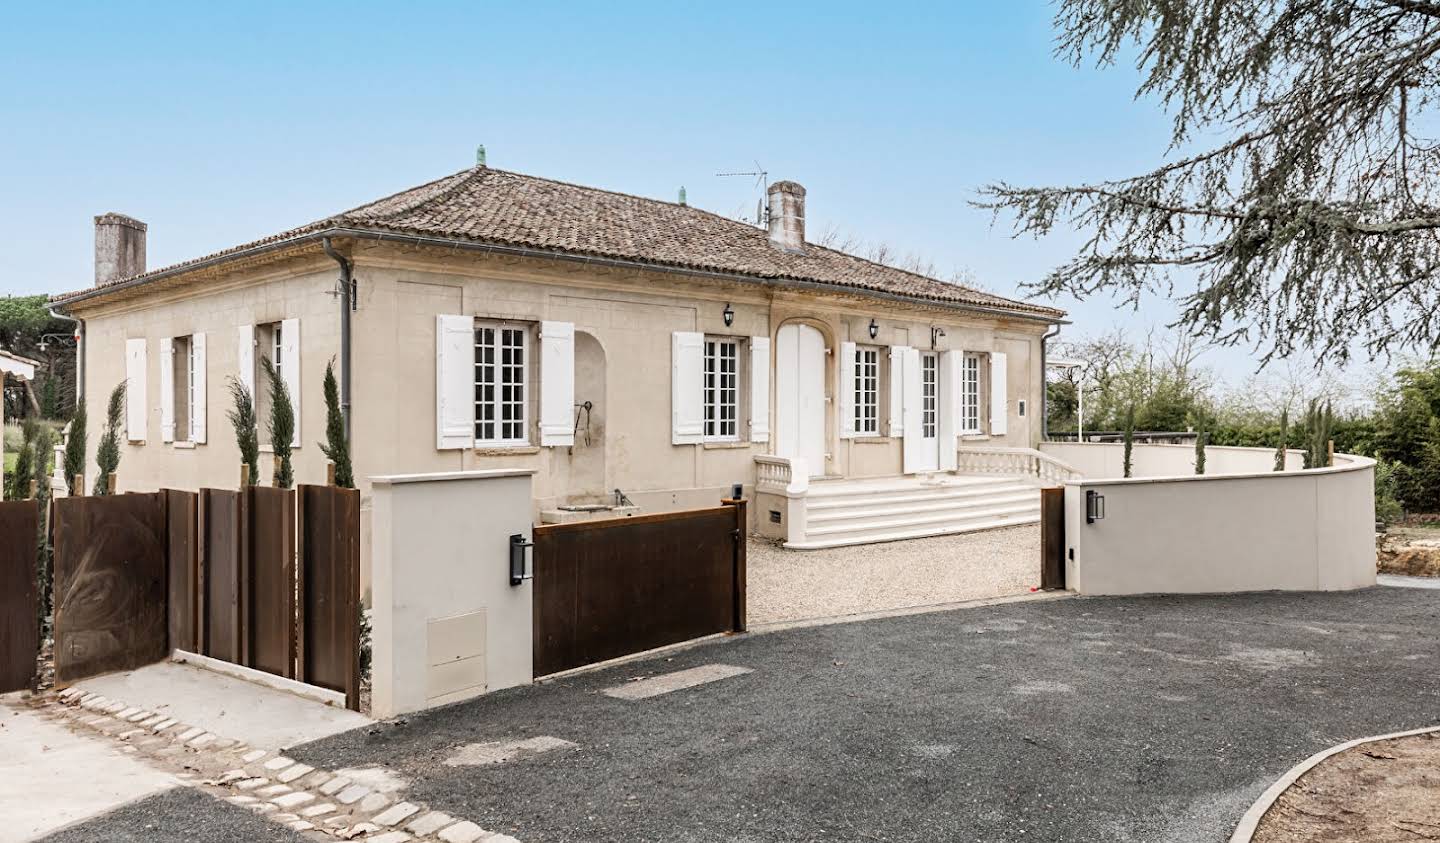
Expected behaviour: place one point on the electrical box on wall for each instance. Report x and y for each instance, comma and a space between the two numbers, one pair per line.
774, 516
1022, 407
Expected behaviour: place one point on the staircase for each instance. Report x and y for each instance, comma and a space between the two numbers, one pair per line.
846, 512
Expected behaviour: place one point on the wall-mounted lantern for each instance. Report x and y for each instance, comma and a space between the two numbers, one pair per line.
521, 567
1094, 506
874, 329
935, 334
728, 314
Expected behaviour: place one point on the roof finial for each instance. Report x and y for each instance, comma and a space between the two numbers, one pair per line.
480, 155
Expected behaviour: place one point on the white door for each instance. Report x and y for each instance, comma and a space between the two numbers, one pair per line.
800, 396
922, 413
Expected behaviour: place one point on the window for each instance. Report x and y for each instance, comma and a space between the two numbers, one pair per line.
867, 391
501, 402
722, 389
268, 340
970, 394
183, 386
929, 386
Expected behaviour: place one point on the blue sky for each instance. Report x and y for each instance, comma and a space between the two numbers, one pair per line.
219, 123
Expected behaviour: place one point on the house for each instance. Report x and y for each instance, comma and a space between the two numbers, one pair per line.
630, 351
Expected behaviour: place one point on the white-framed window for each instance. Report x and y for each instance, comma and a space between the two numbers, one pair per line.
502, 360
182, 384
721, 382
970, 394
867, 391
929, 395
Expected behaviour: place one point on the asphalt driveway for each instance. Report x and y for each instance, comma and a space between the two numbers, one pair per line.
1138, 719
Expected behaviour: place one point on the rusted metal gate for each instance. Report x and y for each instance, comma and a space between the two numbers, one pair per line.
1052, 537
329, 646
111, 584
19, 624
605, 589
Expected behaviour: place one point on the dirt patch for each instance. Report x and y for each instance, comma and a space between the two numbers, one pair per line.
1409, 551
1383, 791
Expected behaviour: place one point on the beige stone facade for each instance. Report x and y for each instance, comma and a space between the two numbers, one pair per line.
623, 322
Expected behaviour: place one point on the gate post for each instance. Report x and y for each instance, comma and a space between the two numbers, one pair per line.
739, 535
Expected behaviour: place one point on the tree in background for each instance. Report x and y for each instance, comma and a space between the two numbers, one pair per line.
247, 430
336, 448
18, 487
75, 443
281, 425
1200, 451
1314, 219
1318, 423
44, 557
25, 322
107, 453
1129, 437
1280, 449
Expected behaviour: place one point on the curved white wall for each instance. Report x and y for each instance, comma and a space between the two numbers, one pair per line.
1106, 459
1304, 530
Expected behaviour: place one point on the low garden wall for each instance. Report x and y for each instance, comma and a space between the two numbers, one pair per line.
1300, 530
1107, 459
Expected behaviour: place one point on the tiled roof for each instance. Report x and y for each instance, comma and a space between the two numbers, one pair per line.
502, 208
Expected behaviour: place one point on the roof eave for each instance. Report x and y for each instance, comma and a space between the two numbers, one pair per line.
1053, 318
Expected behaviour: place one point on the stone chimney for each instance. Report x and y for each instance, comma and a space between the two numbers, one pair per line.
787, 216
119, 247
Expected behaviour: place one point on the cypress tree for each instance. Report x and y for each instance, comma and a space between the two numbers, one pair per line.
75, 444
281, 425
336, 448
107, 454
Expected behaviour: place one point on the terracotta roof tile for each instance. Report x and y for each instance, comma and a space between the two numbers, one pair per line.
510, 209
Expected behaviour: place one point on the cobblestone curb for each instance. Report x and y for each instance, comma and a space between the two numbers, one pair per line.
316, 803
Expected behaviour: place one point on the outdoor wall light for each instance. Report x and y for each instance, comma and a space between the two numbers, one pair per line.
521, 566
728, 314
874, 329
1094, 506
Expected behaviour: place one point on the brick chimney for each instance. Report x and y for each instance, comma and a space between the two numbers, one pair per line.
119, 247
787, 216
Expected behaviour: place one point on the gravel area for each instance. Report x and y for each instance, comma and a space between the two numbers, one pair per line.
791, 585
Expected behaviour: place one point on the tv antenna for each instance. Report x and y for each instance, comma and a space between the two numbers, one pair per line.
762, 181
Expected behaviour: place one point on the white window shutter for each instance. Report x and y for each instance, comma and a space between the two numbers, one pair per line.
951, 363
687, 396
246, 359
290, 367
454, 382
197, 418
910, 412
999, 397
557, 383
167, 390
759, 389
897, 390
136, 409
847, 390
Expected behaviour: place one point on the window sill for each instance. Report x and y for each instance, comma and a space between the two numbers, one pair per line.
725, 446
872, 439
975, 437
183, 446
506, 450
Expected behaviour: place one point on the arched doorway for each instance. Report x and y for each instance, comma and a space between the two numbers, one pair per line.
587, 456
800, 395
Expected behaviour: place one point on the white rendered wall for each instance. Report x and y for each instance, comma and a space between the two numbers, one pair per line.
1105, 460
1311, 530
447, 623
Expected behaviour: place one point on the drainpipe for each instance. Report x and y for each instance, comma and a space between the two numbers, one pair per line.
79, 350
1044, 381
347, 304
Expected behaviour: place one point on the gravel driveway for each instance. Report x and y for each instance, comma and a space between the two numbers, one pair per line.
791, 585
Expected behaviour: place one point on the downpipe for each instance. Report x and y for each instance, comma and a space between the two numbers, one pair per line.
1045, 381
79, 351
347, 305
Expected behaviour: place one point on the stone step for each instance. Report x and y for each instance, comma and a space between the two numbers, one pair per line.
983, 516
916, 497
912, 533
952, 507
903, 485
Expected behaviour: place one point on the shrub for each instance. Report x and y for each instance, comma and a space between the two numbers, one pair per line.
75, 443
1129, 436
1388, 508
247, 433
107, 454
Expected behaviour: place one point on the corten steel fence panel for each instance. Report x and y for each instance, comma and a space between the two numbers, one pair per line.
111, 584
605, 589
1052, 537
270, 615
19, 626
222, 574
329, 647
182, 550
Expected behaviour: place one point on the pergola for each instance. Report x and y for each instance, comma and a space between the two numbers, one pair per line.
1081, 365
